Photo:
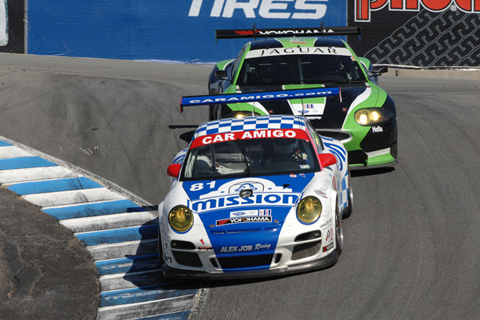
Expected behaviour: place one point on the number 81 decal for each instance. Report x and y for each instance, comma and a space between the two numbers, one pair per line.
199, 186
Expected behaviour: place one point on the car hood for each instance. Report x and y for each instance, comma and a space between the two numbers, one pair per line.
253, 223
324, 112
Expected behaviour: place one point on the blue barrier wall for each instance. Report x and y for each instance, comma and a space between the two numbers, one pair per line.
182, 30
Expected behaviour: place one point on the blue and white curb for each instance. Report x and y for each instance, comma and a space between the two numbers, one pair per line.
119, 229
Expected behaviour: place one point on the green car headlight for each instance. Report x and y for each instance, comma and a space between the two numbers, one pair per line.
372, 116
180, 218
309, 209
243, 114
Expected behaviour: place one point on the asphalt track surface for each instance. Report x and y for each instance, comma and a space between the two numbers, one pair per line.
411, 244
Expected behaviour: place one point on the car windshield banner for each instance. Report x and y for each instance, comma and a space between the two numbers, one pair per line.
245, 135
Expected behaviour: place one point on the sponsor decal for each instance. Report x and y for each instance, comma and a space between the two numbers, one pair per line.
235, 214
298, 51
267, 9
254, 186
329, 236
233, 201
236, 249
297, 41
245, 248
309, 109
256, 134
266, 96
243, 220
320, 193
260, 246
330, 246
224, 196
326, 224
364, 8
251, 213
265, 212
376, 129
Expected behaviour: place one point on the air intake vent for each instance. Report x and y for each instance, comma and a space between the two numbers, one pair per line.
306, 250
246, 261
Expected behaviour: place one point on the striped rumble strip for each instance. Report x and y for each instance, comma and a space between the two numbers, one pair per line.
119, 229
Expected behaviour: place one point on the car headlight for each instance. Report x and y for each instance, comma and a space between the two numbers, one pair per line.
242, 114
372, 116
309, 209
180, 218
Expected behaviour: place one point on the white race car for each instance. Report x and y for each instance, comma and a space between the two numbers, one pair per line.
255, 197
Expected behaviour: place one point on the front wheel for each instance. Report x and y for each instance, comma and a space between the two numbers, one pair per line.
349, 210
160, 246
211, 112
338, 232
212, 107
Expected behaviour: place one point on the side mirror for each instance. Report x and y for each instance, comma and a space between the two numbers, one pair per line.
221, 74
327, 159
173, 170
378, 70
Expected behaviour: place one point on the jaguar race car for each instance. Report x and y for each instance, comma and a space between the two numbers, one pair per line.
254, 197
362, 116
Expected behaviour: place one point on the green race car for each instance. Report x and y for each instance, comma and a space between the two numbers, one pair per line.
362, 115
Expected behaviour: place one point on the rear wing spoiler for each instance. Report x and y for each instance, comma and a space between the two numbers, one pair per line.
285, 32
191, 101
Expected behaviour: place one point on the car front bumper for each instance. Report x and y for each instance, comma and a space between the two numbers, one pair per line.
325, 262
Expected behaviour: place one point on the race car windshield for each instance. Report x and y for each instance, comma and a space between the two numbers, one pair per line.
299, 69
252, 157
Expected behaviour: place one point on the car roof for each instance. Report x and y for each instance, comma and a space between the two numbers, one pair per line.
274, 43
250, 124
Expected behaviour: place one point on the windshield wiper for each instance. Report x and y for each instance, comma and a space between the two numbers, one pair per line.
344, 82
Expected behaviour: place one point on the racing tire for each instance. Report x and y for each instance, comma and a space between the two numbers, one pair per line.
211, 107
211, 112
338, 232
349, 210
160, 246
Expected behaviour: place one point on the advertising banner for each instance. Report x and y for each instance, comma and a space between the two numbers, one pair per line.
164, 30
420, 33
